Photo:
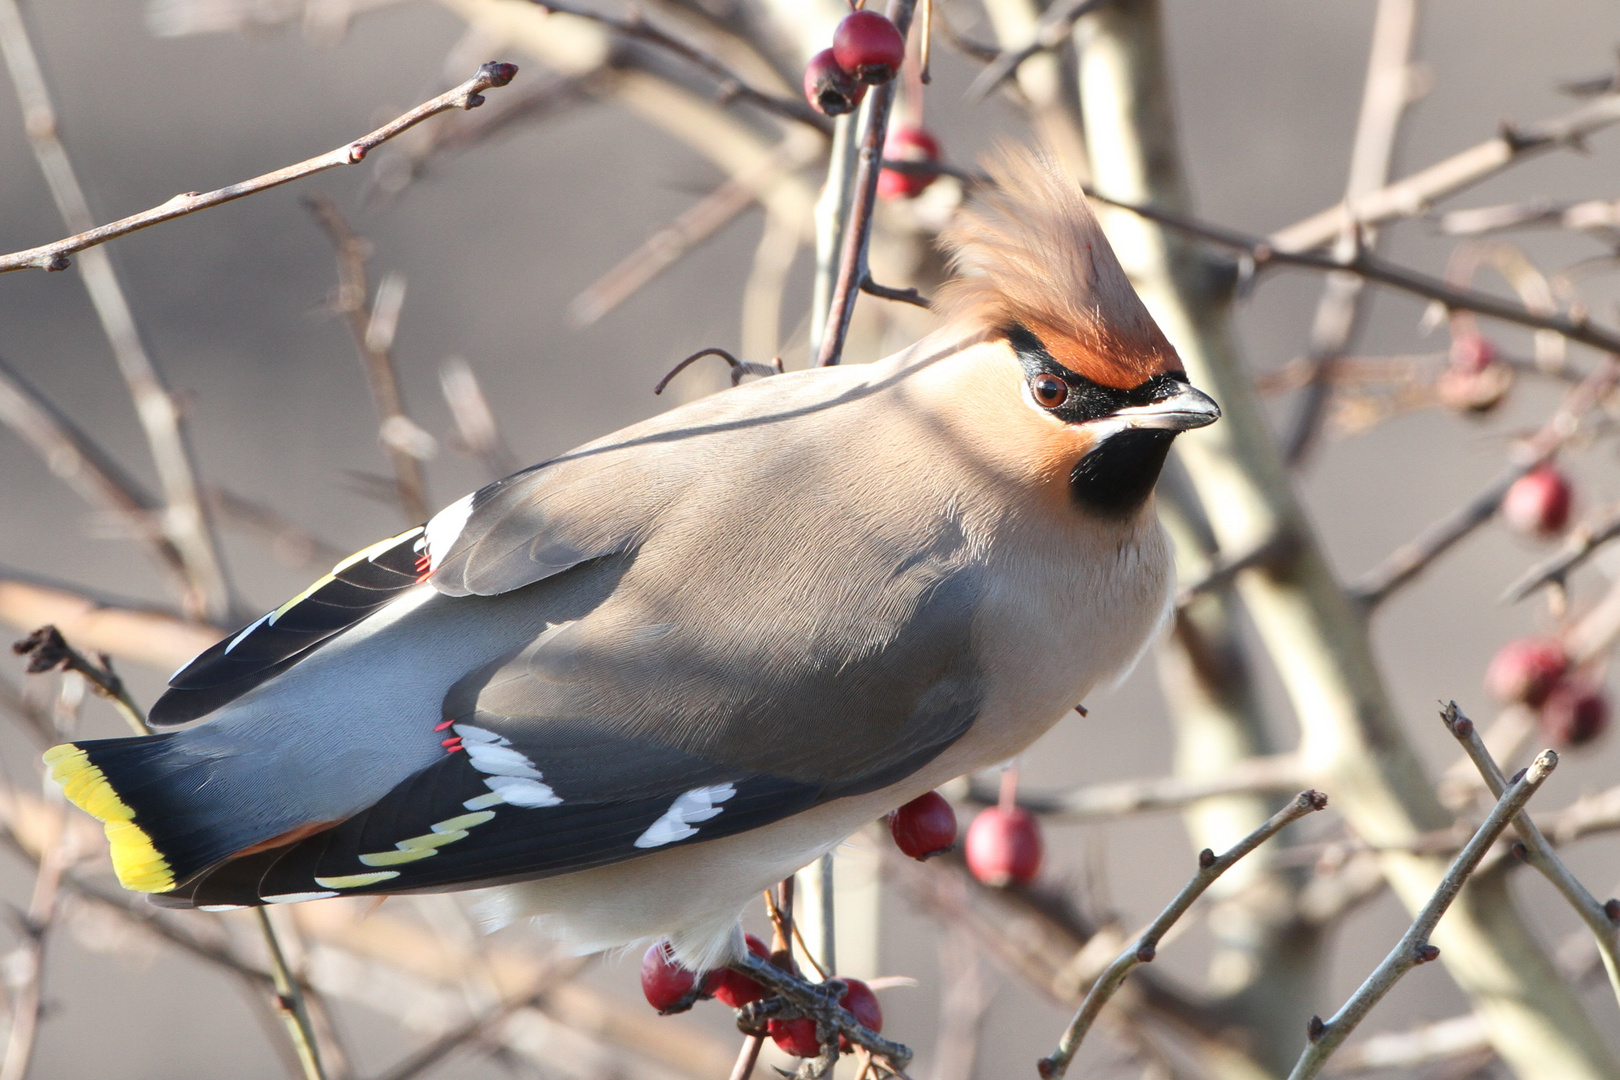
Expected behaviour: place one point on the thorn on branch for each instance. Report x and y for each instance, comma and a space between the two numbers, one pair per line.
1206, 859
906, 296
1315, 1029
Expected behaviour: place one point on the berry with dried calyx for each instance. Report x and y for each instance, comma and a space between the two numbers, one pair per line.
669, 987
798, 1037
869, 46
1574, 714
1476, 380
1526, 670
1004, 847
831, 90
1538, 503
907, 144
736, 989
924, 827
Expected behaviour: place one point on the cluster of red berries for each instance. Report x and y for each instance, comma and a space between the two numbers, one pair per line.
1003, 845
1536, 672
868, 49
671, 988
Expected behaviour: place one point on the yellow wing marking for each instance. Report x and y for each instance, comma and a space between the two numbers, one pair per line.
440, 833
355, 881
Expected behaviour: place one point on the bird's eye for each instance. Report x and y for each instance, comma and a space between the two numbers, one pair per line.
1049, 390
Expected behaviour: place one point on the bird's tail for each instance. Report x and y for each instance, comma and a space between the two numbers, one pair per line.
145, 790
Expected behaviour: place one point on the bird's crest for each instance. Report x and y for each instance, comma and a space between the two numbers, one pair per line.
1029, 251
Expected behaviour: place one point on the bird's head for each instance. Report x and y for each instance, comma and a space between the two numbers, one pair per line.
1084, 381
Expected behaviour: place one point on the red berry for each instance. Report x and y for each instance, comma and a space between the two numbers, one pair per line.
736, 989
1538, 503
830, 89
869, 46
1476, 380
924, 827
798, 1037
1004, 846
1472, 353
1526, 670
669, 987
860, 1000
907, 144
1574, 714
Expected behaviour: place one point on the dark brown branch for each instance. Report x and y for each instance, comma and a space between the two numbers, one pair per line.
905, 296
1263, 254
469, 95
739, 368
732, 86
47, 650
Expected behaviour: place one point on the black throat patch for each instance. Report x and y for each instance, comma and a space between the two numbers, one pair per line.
1118, 474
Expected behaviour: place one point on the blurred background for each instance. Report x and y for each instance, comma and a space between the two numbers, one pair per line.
494, 241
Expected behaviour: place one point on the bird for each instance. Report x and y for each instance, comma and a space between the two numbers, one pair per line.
628, 688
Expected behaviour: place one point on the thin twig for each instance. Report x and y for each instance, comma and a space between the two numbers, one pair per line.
739, 368
1583, 541
1273, 774
1263, 253
905, 296
185, 520
1224, 569
1145, 947
732, 86
475, 421
104, 624
289, 540
76, 459
1600, 214
747, 1056
1407, 561
852, 268
473, 1030
289, 998
372, 321
1414, 948
1539, 853
1413, 194
47, 650
466, 96
1052, 32
1384, 98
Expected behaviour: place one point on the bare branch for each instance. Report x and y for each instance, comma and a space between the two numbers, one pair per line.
904, 296
469, 95
1598, 214
1582, 541
732, 86
1275, 774
124, 629
1052, 32
372, 322
1145, 947
185, 521
47, 650
1384, 98
1414, 948
1406, 562
1539, 853
1415, 193
475, 420
85, 467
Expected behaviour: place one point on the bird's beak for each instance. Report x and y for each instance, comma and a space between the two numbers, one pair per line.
1182, 408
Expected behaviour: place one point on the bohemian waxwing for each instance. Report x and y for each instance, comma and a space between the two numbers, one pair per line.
643, 681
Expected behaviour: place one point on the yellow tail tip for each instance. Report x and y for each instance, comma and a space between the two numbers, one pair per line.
135, 859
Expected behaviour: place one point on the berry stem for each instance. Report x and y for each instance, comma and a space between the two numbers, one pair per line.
858, 230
